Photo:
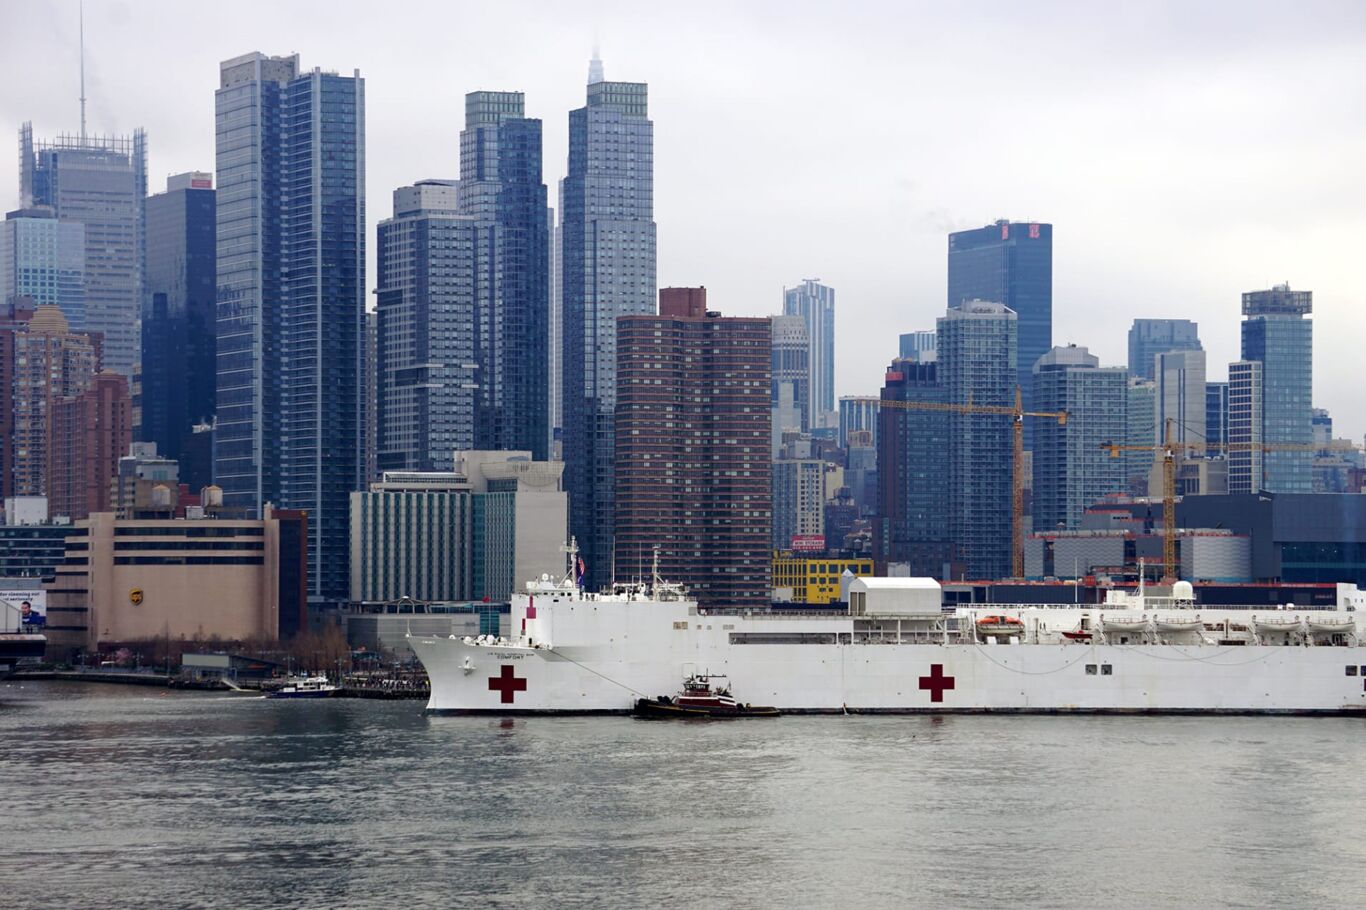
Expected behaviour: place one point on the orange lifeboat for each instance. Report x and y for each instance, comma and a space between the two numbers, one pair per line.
1000, 626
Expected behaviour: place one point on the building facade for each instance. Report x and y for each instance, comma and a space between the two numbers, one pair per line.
815, 304
44, 364
1216, 414
791, 371
692, 449
291, 298
1009, 263
87, 436
502, 189
482, 531
431, 269
1139, 416
913, 524
102, 184
1150, 337
857, 413
977, 365
179, 321
814, 579
43, 259
1071, 469
1277, 333
798, 504
1245, 456
1179, 398
919, 346
124, 581
608, 260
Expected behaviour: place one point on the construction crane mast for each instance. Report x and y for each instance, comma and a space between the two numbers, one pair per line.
1017, 414
1168, 450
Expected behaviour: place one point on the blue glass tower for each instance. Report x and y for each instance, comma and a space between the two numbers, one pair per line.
44, 259
912, 524
1277, 334
608, 262
501, 186
1150, 337
432, 269
291, 299
1011, 263
976, 349
179, 338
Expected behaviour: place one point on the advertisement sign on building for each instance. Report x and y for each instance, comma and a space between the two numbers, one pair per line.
808, 543
23, 606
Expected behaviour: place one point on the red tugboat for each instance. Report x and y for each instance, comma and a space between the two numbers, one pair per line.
697, 700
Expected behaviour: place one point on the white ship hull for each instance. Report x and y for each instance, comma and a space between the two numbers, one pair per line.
599, 656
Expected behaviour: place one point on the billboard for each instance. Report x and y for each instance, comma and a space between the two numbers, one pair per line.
808, 543
23, 606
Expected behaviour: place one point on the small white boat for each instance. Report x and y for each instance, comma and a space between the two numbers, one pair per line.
306, 687
1173, 624
1332, 624
1276, 625
1127, 624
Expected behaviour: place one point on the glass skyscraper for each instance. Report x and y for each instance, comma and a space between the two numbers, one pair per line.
1277, 334
291, 298
432, 267
44, 259
1010, 263
1180, 396
102, 183
815, 303
608, 261
501, 186
977, 364
1150, 337
913, 524
179, 321
1071, 470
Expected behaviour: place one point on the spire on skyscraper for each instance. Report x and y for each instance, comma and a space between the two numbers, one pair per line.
82, 16
595, 67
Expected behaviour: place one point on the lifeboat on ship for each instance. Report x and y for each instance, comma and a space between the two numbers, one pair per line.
1276, 625
1000, 626
1124, 624
1178, 624
1332, 624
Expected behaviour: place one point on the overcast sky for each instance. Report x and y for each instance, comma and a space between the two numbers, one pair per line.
1184, 152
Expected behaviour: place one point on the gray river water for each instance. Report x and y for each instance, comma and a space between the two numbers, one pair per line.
126, 797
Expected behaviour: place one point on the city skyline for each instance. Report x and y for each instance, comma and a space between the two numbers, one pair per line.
1189, 251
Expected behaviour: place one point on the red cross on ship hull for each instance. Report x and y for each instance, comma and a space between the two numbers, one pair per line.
936, 682
507, 684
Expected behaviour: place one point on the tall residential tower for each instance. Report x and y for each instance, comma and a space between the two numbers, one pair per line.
291, 298
608, 261
179, 322
815, 303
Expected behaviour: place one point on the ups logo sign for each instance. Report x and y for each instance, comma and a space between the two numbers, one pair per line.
135, 596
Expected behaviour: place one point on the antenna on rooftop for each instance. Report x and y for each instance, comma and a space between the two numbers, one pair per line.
82, 15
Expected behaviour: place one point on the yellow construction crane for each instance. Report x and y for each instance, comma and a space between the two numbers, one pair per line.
1017, 414
1168, 449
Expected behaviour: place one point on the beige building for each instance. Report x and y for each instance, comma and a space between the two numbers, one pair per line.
130, 580
483, 531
